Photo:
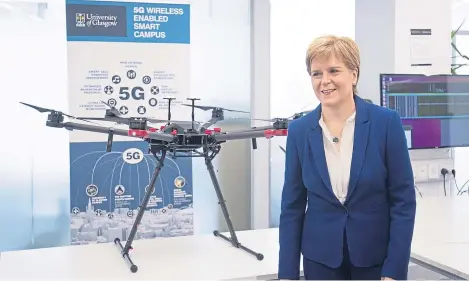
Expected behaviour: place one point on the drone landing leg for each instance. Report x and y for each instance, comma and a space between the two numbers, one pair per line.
128, 245
233, 239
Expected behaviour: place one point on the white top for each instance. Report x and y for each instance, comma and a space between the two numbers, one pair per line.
440, 223
339, 157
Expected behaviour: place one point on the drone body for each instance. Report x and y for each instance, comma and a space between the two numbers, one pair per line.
180, 139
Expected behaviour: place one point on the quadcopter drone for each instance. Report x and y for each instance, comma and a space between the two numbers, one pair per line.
174, 139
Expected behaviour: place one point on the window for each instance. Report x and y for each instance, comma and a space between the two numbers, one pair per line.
290, 87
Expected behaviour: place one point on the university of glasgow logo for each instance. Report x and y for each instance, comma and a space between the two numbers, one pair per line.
80, 20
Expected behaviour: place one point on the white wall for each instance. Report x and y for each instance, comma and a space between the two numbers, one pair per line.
392, 20
294, 24
34, 175
35, 185
460, 13
221, 76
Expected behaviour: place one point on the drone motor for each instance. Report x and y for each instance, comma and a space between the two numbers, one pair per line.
137, 124
217, 113
54, 119
281, 124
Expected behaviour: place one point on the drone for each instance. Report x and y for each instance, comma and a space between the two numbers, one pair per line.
174, 139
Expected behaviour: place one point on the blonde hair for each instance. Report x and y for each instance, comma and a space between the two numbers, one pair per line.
343, 48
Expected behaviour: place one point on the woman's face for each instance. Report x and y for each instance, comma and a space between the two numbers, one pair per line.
332, 81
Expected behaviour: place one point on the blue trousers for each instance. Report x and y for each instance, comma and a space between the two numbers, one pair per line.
347, 271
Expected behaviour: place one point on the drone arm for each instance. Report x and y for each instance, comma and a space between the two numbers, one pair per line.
250, 135
161, 137
120, 132
91, 128
255, 129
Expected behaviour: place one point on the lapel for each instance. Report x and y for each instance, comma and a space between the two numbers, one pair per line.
316, 143
360, 143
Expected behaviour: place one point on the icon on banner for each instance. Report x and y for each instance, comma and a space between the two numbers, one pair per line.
152, 102
141, 109
123, 110
98, 212
108, 90
131, 74
146, 79
112, 102
154, 90
116, 79
80, 20
179, 182
91, 190
119, 189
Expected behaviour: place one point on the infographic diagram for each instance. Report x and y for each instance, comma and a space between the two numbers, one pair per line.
108, 187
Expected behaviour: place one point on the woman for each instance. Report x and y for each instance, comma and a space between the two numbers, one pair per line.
348, 201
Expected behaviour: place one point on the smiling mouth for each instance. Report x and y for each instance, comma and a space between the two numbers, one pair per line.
327, 92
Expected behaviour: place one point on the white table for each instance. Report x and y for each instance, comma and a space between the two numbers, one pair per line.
441, 240
441, 235
182, 258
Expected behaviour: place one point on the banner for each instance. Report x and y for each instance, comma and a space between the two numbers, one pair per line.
128, 56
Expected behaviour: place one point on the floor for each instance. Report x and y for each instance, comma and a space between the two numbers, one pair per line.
417, 272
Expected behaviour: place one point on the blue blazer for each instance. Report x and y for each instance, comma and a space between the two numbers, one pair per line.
379, 212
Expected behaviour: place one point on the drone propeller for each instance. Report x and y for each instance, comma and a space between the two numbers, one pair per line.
127, 120
217, 113
292, 117
277, 122
113, 115
205, 108
43, 110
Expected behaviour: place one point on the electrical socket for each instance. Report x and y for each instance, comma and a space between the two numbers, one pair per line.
421, 172
434, 171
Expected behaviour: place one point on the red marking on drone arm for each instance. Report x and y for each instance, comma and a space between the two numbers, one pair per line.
138, 133
208, 132
217, 130
151, 129
275, 133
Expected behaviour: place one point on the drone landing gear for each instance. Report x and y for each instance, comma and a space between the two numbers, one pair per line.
128, 245
233, 239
